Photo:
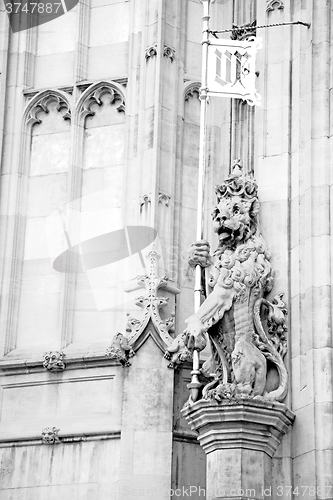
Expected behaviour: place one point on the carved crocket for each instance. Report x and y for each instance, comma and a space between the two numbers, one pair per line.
240, 275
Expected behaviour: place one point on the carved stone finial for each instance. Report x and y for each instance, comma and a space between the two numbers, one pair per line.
54, 361
50, 435
271, 4
237, 169
151, 304
120, 350
244, 31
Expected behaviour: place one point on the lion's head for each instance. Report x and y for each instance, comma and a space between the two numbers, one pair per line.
235, 218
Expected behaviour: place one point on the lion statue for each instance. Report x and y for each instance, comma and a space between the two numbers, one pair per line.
247, 359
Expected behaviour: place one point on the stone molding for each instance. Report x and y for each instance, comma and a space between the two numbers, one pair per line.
93, 95
191, 89
272, 4
24, 366
185, 436
249, 424
40, 103
35, 440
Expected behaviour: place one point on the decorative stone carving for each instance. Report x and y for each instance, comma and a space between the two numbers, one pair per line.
42, 104
120, 350
271, 4
151, 51
164, 197
50, 435
191, 89
257, 425
94, 97
54, 361
177, 352
144, 201
244, 31
240, 276
151, 305
239, 439
169, 52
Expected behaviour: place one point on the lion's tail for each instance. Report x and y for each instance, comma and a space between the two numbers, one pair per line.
268, 349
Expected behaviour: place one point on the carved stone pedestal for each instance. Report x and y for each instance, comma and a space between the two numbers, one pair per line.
239, 437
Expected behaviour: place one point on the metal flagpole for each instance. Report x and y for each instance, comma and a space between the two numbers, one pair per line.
195, 384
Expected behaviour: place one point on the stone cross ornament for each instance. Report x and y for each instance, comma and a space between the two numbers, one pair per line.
247, 333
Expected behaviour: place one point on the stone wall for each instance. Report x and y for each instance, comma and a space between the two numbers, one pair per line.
99, 120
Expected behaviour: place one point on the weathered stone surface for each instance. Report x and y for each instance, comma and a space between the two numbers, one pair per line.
240, 275
239, 440
70, 470
150, 149
146, 444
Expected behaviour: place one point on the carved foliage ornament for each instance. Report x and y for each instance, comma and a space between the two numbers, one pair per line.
168, 52
151, 51
54, 361
120, 350
50, 435
244, 31
163, 197
272, 4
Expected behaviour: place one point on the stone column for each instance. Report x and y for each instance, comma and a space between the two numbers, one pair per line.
239, 438
149, 177
311, 250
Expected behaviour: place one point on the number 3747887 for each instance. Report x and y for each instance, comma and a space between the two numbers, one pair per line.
33, 7
305, 491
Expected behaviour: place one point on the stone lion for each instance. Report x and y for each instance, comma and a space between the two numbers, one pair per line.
239, 277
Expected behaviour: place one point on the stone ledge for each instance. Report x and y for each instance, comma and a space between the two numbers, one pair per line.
35, 440
247, 424
184, 436
24, 366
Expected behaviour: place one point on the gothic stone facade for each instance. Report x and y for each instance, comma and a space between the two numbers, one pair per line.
99, 117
